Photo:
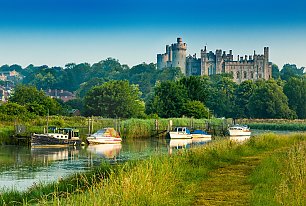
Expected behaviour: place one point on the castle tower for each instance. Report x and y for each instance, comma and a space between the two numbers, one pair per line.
219, 61
179, 55
267, 67
204, 62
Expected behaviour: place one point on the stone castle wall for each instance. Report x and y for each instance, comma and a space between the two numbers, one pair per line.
247, 67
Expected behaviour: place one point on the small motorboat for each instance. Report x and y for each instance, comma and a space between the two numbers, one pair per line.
180, 133
239, 130
104, 136
200, 134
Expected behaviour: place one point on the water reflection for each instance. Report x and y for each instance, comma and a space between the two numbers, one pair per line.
176, 144
110, 151
239, 138
49, 154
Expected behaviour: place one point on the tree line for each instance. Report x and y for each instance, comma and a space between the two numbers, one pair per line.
110, 89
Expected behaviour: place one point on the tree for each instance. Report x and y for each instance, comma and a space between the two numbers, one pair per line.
275, 71
222, 98
198, 87
269, 101
114, 99
168, 100
195, 109
291, 70
30, 97
242, 96
295, 90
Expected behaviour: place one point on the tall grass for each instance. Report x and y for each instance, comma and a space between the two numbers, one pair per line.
281, 178
278, 126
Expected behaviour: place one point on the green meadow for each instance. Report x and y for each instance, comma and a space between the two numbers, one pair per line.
265, 170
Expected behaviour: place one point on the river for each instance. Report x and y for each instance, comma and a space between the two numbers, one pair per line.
23, 167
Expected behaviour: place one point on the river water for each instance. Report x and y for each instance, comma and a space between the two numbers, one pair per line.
23, 167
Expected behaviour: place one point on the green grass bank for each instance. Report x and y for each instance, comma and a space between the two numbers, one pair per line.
129, 128
180, 178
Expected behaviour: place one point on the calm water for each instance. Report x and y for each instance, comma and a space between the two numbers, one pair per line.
22, 167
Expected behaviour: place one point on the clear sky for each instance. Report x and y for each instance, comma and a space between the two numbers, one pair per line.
56, 32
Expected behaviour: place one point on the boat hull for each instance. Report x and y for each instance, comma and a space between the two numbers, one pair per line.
43, 139
104, 140
178, 135
206, 136
239, 133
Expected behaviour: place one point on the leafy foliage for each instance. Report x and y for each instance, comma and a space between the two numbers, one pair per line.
295, 90
269, 101
114, 99
34, 100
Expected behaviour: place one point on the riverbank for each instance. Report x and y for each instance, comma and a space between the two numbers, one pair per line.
129, 128
179, 179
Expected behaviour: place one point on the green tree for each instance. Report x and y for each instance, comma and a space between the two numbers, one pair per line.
168, 100
291, 70
195, 109
198, 87
269, 101
275, 71
242, 96
295, 90
29, 95
114, 99
222, 98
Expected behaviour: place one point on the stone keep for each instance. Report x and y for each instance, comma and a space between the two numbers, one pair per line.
175, 56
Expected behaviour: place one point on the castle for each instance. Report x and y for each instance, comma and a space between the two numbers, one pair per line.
250, 67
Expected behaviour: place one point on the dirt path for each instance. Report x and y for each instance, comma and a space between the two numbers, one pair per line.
228, 185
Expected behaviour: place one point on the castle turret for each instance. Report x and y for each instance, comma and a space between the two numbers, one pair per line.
179, 55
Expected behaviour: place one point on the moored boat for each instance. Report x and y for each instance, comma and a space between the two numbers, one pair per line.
59, 137
239, 130
104, 136
180, 133
200, 134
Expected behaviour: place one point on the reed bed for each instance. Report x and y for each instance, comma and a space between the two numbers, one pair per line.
278, 126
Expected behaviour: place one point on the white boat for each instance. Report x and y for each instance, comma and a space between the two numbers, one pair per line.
104, 136
239, 130
200, 134
180, 133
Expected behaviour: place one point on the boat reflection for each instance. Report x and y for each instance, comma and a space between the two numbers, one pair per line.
201, 141
47, 154
109, 151
178, 144
239, 138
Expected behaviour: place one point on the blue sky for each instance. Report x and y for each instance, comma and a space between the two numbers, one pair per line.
56, 32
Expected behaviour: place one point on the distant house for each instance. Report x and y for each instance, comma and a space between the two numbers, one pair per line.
4, 93
60, 94
10, 76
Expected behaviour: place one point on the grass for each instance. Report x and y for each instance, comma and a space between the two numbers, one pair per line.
226, 168
281, 178
278, 126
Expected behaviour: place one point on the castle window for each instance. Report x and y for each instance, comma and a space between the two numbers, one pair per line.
245, 75
252, 75
238, 75
260, 76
